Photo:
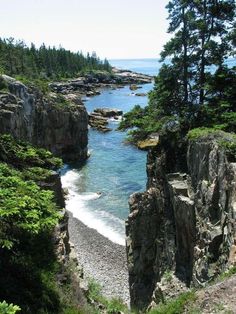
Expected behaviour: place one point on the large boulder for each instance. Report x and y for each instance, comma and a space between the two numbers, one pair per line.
108, 112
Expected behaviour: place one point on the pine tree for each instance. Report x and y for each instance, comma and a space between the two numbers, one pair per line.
202, 38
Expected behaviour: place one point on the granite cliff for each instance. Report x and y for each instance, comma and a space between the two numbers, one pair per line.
57, 125
181, 231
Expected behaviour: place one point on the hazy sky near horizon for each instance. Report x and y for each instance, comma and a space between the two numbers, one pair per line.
115, 29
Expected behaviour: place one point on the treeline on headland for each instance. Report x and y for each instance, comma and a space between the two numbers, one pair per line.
16, 58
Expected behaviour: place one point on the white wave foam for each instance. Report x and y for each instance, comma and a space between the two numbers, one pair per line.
119, 118
89, 196
105, 223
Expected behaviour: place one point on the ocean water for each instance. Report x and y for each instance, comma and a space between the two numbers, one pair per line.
145, 66
99, 189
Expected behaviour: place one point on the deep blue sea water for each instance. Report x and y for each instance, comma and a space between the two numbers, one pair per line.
114, 169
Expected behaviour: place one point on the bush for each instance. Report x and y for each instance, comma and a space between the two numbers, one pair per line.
22, 154
175, 306
23, 205
226, 141
3, 84
8, 308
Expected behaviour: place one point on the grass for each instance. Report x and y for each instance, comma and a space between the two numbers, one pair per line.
112, 306
225, 275
226, 141
168, 275
39, 83
177, 305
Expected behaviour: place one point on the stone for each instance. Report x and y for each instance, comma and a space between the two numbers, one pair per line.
133, 87
29, 116
91, 84
184, 222
141, 94
108, 112
150, 142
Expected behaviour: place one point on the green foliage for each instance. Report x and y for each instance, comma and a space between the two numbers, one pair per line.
61, 102
36, 173
225, 275
203, 132
24, 205
41, 84
8, 308
23, 154
3, 85
175, 306
194, 88
95, 291
168, 275
46, 62
112, 305
225, 140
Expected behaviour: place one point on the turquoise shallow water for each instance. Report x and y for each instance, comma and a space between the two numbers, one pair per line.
115, 169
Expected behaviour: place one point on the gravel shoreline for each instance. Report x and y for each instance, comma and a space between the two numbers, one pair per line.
101, 259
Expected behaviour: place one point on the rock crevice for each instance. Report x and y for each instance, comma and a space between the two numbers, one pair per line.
184, 223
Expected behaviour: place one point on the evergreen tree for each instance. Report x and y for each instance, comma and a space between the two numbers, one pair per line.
46, 62
194, 86
201, 40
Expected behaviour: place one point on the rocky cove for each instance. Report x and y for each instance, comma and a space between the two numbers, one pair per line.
184, 224
24, 110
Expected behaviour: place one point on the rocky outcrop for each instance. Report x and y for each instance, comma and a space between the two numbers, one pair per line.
184, 224
56, 124
90, 84
141, 94
98, 119
108, 112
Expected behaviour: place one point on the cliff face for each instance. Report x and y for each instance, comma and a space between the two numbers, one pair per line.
184, 223
27, 115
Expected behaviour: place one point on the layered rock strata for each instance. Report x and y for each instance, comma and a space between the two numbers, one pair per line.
183, 226
43, 121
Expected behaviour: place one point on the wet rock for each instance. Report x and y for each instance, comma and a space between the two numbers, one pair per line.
133, 87
141, 94
108, 112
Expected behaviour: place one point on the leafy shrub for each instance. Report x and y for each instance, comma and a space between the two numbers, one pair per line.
8, 308
23, 205
36, 173
3, 84
111, 305
225, 140
23, 154
40, 84
175, 306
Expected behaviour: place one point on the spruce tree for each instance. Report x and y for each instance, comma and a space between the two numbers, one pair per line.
202, 40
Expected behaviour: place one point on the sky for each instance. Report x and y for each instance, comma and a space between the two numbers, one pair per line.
115, 29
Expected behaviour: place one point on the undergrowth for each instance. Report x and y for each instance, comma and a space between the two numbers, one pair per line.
177, 305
